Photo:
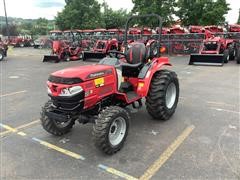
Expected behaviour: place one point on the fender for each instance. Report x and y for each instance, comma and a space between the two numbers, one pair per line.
147, 72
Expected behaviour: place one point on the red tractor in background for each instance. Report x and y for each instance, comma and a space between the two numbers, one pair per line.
214, 29
3, 50
234, 28
66, 47
177, 30
196, 29
21, 41
215, 50
105, 43
115, 32
100, 93
56, 34
101, 49
164, 30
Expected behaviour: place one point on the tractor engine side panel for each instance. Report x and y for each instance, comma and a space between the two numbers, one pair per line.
99, 88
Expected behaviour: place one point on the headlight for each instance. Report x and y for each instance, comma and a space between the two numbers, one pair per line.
71, 91
49, 90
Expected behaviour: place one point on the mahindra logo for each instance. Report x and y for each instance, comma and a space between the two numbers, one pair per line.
96, 74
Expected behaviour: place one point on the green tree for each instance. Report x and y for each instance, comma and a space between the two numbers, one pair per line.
26, 28
80, 14
114, 19
40, 27
164, 8
13, 30
202, 12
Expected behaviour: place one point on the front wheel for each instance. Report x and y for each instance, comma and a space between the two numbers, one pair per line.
110, 129
1, 55
226, 56
163, 94
52, 125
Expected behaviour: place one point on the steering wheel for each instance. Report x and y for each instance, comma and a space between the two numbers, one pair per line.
116, 54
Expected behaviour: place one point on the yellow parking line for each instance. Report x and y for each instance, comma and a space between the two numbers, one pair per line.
56, 148
21, 133
116, 172
18, 128
44, 143
8, 128
152, 170
28, 124
4, 133
14, 93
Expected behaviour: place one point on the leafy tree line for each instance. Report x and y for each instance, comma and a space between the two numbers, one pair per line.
84, 14
39, 26
90, 14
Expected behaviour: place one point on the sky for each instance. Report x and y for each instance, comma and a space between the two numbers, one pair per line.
33, 9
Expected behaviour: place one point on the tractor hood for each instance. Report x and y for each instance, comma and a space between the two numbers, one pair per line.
85, 72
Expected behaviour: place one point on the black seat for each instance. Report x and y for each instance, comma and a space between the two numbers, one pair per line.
135, 56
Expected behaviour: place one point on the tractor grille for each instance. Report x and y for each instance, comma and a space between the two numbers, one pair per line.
63, 80
69, 103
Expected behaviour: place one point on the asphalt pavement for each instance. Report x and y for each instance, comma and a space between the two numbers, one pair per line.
200, 141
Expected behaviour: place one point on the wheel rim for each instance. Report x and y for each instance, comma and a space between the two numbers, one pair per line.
117, 131
171, 94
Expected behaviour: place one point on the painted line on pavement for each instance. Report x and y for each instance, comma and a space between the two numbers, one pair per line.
153, 169
44, 143
61, 150
116, 172
2, 134
11, 94
226, 110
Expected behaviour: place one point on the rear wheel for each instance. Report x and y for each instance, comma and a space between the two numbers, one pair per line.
163, 94
231, 54
226, 56
21, 45
238, 56
1, 55
110, 129
52, 125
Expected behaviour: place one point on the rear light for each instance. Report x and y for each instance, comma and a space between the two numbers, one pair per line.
163, 49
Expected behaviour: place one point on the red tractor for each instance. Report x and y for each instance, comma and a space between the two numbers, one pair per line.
214, 50
65, 47
177, 30
214, 29
100, 49
18, 41
196, 29
3, 50
234, 28
99, 93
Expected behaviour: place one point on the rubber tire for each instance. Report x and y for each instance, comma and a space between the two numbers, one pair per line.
238, 56
102, 126
49, 124
21, 45
231, 53
155, 100
226, 56
2, 54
